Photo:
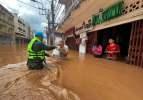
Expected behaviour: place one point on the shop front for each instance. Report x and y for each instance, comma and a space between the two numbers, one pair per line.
71, 38
123, 22
85, 35
129, 36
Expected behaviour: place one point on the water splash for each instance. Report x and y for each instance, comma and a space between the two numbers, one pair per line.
19, 83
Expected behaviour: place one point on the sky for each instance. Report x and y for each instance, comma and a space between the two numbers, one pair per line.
29, 14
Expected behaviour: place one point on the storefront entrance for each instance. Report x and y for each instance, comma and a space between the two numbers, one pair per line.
121, 35
130, 39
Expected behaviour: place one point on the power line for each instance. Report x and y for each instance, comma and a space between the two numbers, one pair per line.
27, 4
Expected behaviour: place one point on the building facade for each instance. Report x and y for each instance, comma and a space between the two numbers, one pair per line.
88, 8
23, 31
70, 5
99, 21
6, 26
13, 29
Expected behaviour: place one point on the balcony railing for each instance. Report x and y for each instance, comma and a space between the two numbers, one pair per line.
11, 22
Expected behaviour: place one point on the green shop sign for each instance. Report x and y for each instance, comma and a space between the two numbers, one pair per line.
109, 13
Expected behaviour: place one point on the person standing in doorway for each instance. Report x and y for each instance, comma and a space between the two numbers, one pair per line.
112, 50
97, 50
82, 47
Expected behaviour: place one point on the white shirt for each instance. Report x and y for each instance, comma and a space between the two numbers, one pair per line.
66, 48
82, 47
56, 51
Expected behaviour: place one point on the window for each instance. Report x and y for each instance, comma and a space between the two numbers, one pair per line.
1, 27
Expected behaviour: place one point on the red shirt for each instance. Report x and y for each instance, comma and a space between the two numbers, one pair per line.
113, 48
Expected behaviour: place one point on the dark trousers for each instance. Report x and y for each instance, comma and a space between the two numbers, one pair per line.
35, 64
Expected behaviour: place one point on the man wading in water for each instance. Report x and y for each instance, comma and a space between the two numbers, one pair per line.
36, 52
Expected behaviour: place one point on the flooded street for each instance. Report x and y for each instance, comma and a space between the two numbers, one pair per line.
100, 79
85, 76
82, 36
19, 83
11, 54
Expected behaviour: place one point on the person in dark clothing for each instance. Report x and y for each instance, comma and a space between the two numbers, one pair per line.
36, 52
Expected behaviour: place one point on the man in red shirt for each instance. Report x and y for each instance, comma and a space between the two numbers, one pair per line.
112, 50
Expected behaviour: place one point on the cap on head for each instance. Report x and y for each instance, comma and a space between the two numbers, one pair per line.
39, 34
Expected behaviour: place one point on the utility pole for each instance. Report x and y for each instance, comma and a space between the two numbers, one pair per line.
53, 22
48, 32
53, 14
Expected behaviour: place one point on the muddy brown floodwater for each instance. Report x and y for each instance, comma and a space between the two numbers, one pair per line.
10, 54
19, 83
100, 79
78, 77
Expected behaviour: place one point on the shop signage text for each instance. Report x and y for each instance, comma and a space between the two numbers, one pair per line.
85, 27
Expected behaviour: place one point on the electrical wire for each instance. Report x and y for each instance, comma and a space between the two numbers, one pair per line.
27, 4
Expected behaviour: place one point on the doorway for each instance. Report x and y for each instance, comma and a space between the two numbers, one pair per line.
121, 35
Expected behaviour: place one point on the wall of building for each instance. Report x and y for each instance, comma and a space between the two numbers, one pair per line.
29, 32
23, 31
6, 26
13, 28
88, 8
70, 5
67, 3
